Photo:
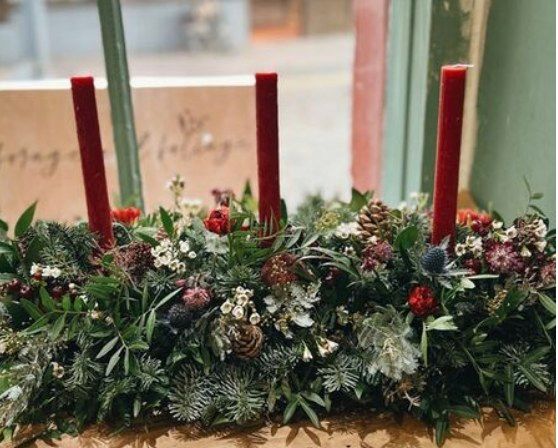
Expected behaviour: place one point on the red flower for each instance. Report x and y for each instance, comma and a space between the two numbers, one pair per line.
126, 215
422, 301
479, 222
218, 221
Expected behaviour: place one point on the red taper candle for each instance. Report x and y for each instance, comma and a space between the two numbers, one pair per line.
450, 120
268, 149
92, 165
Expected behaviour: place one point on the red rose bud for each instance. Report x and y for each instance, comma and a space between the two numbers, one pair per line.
127, 215
478, 222
218, 221
422, 301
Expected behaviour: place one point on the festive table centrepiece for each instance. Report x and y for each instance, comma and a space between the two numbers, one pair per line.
450, 121
189, 317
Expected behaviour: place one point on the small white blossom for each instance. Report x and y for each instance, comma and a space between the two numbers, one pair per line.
306, 354
184, 247
57, 370
525, 253
460, 249
326, 347
35, 269
55, 272
238, 312
192, 255
255, 318
540, 245
95, 314
226, 307
497, 225
346, 230
511, 232
541, 229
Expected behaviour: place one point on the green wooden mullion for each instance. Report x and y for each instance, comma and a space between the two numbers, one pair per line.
395, 134
449, 44
124, 133
414, 167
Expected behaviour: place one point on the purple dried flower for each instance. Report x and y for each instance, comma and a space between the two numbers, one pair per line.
503, 258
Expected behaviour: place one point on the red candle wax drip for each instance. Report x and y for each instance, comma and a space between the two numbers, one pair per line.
268, 149
92, 165
450, 120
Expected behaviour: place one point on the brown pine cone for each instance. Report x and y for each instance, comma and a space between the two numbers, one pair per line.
248, 342
278, 270
374, 220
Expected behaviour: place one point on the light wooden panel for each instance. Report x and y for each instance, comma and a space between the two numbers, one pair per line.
203, 129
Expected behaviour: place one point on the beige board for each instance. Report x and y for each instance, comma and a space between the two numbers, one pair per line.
201, 128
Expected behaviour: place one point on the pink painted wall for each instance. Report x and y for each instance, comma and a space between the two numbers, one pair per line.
369, 73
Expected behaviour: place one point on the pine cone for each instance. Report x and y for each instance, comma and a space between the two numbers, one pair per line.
278, 269
434, 260
248, 342
374, 220
179, 316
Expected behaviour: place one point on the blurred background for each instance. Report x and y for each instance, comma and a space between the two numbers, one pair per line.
358, 80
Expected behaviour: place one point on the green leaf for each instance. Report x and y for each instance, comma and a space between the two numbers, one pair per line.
443, 323
424, 344
46, 300
166, 219
511, 302
509, 385
31, 309
58, 326
532, 377
313, 396
66, 302
6, 248
79, 304
113, 361
407, 238
25, 220
150, 325
358, 200
548, 303
441, 428
310, 413
137, 405
290, 410
107, 347
126, 361
464, 411
3, 226
166, 299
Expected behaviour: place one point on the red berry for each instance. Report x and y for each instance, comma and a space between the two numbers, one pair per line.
422, 302
57, 292
26, 292
14, 285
